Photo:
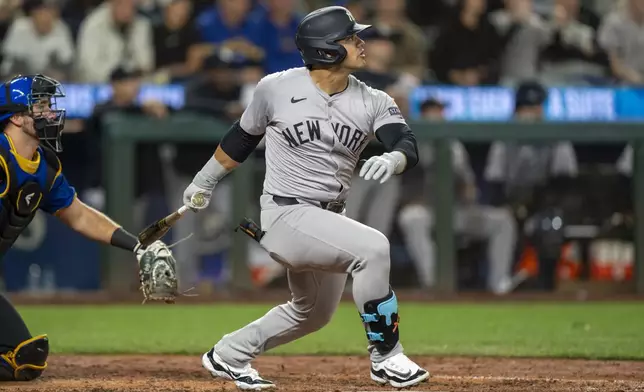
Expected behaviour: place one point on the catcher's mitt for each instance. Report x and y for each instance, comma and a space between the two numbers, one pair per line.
157, 273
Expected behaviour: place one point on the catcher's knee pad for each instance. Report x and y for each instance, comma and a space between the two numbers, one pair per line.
27, 361
381, 319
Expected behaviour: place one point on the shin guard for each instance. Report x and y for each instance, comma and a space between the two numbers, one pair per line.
27, 361
380, 319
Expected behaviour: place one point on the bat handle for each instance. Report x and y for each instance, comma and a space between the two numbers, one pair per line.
182, 210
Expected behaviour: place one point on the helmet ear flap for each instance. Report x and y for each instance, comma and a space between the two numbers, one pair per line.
342, 53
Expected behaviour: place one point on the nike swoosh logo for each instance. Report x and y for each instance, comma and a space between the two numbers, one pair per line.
293, 100
404, 375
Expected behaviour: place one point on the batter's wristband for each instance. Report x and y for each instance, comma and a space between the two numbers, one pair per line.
210, 174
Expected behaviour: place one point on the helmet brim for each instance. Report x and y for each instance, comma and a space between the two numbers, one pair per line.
358, 28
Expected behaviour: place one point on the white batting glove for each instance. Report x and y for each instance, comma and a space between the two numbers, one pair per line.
196, 198
383, 166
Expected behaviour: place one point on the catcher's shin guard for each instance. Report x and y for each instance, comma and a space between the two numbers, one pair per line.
27, 361
380, 319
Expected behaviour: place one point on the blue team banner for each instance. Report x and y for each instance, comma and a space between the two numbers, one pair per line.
563, 104
81, 98
464, 103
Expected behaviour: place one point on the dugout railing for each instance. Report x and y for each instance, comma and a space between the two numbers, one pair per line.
123, 132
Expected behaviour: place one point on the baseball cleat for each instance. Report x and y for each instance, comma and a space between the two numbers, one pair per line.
399, 371
245, 378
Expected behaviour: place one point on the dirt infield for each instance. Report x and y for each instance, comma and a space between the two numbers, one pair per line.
313, 374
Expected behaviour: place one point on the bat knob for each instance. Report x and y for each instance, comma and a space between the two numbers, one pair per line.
198, 200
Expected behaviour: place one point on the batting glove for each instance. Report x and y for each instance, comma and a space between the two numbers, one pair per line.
196, 198
383, 166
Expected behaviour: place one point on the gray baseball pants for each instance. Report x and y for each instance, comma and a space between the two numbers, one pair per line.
320, 249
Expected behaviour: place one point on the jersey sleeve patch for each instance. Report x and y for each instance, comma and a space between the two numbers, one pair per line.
394, 111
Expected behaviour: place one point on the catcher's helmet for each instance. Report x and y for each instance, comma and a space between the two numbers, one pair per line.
319, 32
20, 94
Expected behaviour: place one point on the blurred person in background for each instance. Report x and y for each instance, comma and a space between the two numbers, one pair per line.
278, 28
524, 34
530, 179
8, 11
357, 8
38, 43
411, 46
232, 25
218, 91
126, 86
73, 12
573, 55
380, 71
112, 36
467, 48
621, 36
496, 225
429, 15
176, 43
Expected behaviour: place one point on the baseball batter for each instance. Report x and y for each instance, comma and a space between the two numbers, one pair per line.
317, 120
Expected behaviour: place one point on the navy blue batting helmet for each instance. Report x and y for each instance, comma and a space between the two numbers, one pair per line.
35, 95
319, 32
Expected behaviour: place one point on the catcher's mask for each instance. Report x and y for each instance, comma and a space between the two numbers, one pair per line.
35, 95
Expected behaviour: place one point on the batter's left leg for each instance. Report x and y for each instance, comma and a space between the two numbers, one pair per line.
315, 297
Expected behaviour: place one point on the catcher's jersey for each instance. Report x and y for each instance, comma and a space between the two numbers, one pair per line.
27, 185
314, 140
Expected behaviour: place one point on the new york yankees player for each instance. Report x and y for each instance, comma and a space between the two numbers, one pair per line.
317, 120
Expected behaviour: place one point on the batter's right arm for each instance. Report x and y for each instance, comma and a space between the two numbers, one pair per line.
240, 141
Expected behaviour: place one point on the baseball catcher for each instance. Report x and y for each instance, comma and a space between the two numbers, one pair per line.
31, 178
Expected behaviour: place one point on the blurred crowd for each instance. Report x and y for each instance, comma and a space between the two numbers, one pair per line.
460, 42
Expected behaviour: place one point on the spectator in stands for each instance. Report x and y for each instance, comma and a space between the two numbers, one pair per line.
356, 7
278, 28
232, 25
38, 43
177, 51
411, 47
381, 50
73, 12
573, 55
429, 15
218, 92
416, 220
114, 36
621, 37
467, 48
380, 72
126, 85
8, 9
524, 34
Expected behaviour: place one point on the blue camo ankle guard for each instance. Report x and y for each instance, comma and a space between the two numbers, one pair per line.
380, 319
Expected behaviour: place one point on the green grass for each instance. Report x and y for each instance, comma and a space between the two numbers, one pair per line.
588, 330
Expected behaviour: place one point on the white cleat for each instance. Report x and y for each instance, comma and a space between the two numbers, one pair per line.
399, 371
245, 378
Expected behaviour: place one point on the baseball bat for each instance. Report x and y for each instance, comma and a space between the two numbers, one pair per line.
158, 229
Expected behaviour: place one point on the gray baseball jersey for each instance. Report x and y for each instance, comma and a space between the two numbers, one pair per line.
313, 140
